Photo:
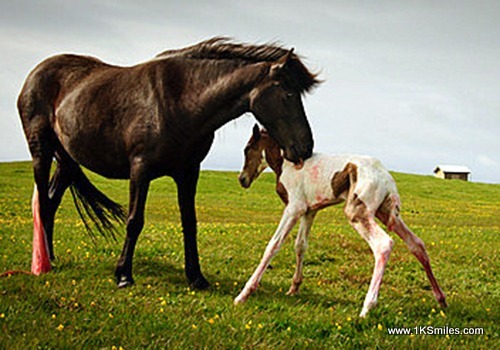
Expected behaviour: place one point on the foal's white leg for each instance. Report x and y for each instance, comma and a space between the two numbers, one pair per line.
286, 224
417, 247
381, 246
363, 221
306, 221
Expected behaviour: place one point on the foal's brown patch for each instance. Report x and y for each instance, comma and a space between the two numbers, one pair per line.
282, 192
343, 180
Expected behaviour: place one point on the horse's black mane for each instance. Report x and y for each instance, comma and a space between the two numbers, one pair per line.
223, 48
220, 48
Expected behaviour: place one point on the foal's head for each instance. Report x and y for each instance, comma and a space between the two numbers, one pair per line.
260, 152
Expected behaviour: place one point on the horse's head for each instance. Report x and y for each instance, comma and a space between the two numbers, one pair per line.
277, 104
260, 152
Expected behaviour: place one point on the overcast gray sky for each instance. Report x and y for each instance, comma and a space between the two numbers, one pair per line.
413, 83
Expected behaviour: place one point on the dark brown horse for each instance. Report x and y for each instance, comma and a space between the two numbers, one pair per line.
154, 119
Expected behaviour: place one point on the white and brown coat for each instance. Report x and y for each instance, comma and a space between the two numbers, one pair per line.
365, 186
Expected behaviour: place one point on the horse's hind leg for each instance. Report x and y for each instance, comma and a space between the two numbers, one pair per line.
42, 151
388, 213
417, 247
60, 181
380, 243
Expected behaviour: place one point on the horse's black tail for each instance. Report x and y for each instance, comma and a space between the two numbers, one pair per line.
94, 206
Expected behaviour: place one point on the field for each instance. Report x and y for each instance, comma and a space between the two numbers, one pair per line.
77, 305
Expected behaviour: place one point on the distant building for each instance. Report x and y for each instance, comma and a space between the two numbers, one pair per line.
458, 172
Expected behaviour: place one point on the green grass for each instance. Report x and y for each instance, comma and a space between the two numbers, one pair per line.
77, 305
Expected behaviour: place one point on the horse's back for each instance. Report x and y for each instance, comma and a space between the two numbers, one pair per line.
64, 66
45, 82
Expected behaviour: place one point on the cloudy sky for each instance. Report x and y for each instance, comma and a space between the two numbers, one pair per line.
415, 84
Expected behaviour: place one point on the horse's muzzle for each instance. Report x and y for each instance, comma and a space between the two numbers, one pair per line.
297, 157
299, 165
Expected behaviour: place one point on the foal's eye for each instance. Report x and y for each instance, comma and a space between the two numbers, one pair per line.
289, 94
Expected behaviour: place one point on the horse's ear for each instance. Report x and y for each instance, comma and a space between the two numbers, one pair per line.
282, 62
286, 57
256, 132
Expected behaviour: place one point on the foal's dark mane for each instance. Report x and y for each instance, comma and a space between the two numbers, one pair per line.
222, 48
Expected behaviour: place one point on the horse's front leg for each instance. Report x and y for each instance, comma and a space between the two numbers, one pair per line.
139, 185
288, 220
186, 192
306, 221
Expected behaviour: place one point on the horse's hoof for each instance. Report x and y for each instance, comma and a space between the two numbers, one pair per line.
443, 303
200, 283
125, 281
239, 300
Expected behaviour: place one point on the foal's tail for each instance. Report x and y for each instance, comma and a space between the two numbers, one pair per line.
95, 207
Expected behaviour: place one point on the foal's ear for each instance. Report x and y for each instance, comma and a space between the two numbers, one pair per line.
256, 132
282, 62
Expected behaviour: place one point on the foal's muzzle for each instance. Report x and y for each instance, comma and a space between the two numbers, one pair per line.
244, 180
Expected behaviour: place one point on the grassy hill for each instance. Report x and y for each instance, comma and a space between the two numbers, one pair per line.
78, 305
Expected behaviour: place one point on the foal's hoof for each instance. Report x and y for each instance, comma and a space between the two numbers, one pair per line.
199, 283
240, 299
125, 281
443, 303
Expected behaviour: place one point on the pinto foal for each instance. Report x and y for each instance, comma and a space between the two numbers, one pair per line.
368, 190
